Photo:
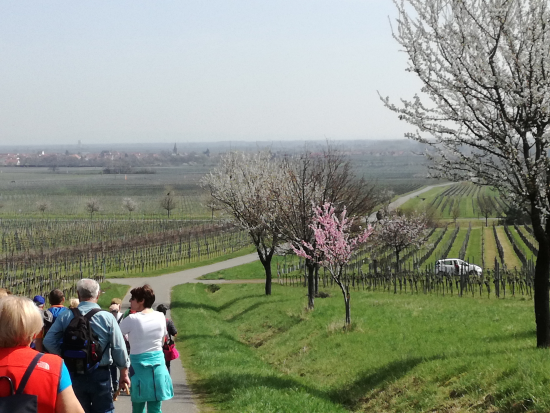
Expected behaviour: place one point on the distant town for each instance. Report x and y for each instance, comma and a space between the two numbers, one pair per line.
117, 160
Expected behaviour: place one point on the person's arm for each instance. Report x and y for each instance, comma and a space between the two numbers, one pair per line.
52, 340
171, 328
67, 402
118, 346
124, 378
38, 346
124, 325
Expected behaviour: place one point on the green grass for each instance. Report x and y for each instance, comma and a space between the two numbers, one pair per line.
490, 249
110, 291
512, 260
457, 244
251, 271
242, 272
473, 250
176, 268
247, 352
436, 255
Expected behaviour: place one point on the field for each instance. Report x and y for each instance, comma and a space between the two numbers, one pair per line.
48, 231
67, 191
247, 352
473, 221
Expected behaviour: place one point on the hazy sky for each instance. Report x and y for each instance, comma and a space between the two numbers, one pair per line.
143, 71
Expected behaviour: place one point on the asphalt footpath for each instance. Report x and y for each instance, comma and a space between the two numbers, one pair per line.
183, 401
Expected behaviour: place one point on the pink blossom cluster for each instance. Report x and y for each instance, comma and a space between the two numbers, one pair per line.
333, 244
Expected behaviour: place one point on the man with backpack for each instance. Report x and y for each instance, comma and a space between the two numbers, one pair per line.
88, 339
57, 300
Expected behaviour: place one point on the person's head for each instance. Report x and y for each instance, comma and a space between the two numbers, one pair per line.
162, 308
73, 302
56, 297
87, 289
142, 297
39, 301
116, 301
114, 308
4, 292
20, 320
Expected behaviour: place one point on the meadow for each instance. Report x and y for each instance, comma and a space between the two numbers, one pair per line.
247, 352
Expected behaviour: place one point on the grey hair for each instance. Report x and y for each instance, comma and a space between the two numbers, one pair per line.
87, 288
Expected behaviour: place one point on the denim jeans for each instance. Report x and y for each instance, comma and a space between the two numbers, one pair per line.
93, 391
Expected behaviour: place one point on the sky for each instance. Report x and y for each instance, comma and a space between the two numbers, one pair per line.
190, 71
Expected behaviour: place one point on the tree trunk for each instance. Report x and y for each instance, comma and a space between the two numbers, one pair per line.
396, 271
542, 302
266, 262
345, 293
541, 283
310, 265
317, 279
348, 309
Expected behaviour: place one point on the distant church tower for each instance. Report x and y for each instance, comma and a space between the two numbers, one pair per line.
175, 150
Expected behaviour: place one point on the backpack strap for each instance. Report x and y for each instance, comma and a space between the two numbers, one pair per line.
28, 373
92, 312
88, 317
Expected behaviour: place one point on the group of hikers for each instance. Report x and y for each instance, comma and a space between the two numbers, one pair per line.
78, 359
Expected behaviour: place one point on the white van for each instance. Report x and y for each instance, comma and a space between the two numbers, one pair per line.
457, 267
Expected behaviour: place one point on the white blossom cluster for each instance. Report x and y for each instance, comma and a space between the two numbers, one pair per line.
485, 69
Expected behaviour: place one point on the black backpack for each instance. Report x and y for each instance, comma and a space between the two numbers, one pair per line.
80, 350
48, 320
17, 402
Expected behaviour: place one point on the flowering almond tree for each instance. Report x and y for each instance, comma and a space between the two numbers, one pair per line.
484, 68
311, 179
334, 246
243, 185
398, 232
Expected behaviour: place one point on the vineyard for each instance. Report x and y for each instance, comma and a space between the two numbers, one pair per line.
465, 200
42, 255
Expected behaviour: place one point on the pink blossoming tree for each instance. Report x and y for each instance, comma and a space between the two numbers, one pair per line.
334, 246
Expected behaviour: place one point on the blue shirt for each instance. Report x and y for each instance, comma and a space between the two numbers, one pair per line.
103, 324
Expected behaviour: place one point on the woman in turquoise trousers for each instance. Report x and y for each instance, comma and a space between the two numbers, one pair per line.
146, 329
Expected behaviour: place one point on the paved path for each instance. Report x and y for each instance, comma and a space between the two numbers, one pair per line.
162, 285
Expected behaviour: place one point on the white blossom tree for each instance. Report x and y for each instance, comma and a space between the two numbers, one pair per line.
399, 231
485, 69
334, 246
243, 184
129, 205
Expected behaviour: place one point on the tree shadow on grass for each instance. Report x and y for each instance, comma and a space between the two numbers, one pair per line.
520, 335
351, 394
220, 387
252, 308
187, 305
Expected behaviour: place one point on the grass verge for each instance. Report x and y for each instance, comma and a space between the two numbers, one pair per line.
247, 352
110, 291
175, 268
253, 270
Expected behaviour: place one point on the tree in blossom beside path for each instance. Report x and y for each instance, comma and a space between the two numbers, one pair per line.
334, 246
